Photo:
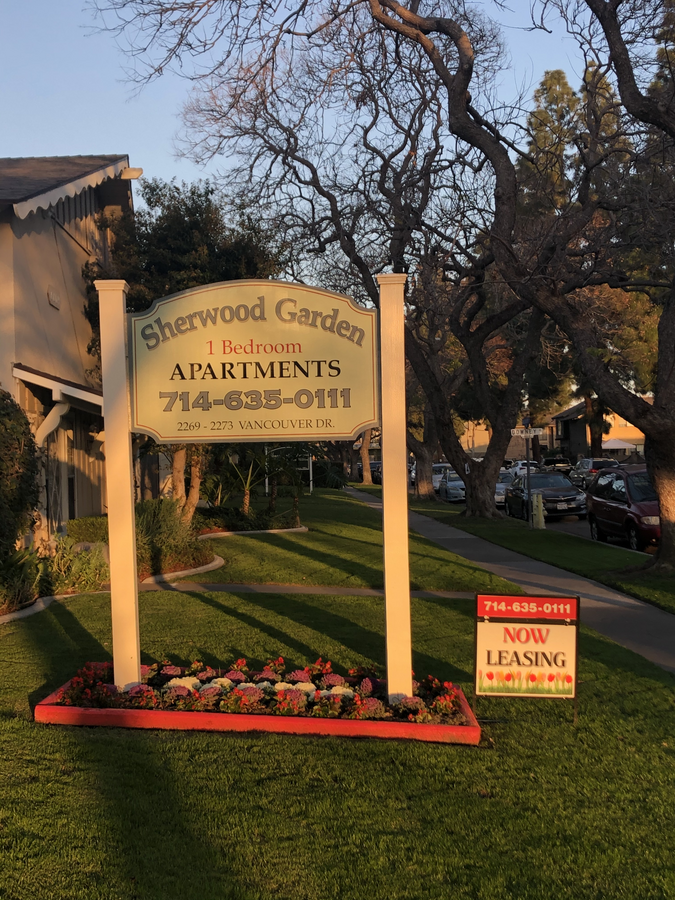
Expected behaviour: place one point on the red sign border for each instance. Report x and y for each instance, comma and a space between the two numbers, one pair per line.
573, 623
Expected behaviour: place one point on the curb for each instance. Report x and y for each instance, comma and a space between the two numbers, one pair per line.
40, 604
43, 602
218, 534
216, 563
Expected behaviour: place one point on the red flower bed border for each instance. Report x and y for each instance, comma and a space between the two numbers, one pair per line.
49, 712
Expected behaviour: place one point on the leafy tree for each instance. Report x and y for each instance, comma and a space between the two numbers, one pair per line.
180, 239
19, 490
253, 53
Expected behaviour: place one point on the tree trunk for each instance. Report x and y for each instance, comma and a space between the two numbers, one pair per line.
272, 505
424, 486
365, 457
596, 420
197, 465
424, 451
536, 448
343, 450
296, 510
660, 459
246, 502
353, 462
480, 490
178, 474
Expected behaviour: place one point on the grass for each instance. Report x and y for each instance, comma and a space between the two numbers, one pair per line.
343, 547
542, 809
605, 563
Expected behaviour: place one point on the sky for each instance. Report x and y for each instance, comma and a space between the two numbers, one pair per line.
64, 88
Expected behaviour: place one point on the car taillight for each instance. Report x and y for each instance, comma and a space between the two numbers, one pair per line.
592, 471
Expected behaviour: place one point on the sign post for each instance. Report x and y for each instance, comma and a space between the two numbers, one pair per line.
119, 484
395, 487
527, 433
254, 361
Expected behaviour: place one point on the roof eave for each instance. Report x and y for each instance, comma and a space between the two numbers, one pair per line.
71, 188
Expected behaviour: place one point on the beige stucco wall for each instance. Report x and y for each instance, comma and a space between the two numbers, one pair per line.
46, 258
7, 352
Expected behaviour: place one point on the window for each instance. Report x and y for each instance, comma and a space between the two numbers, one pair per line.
618, 491
602, 486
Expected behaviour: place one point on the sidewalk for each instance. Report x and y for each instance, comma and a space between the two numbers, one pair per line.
640, 627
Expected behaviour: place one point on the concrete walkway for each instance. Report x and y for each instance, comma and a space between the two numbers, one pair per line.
639, 626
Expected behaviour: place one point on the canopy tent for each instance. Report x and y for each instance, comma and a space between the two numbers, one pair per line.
616, 444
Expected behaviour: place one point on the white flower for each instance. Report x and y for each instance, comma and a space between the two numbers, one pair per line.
246, 684
128, 687
266, 686
192, 684
283, 686
210, 684
325, 693
224, 683
342, 691
305, 686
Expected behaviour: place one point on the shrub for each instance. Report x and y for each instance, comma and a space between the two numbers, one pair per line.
88, 529
20, 577
19, 490
73, 570
164, 541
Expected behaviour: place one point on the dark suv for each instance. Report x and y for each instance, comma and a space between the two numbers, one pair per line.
622, 503
582, 474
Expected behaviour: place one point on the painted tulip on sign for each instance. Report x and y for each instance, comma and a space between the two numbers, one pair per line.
526, 646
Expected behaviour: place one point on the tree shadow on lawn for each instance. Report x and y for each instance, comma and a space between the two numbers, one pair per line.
350, 568
363, 641
62, 645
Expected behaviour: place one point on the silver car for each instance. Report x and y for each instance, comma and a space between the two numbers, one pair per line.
451, 488
503, 481
438, 470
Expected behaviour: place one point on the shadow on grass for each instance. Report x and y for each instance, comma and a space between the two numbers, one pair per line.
357, 638
62, 645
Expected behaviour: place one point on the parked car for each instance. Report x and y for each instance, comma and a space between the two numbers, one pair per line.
557, 464
503, 481
519, 467
438, 470
561, 497
376, 472
582, 474
451, 488
622, 503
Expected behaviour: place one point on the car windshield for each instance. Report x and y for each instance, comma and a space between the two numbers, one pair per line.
506, 478
550, 481
641, 487
441, 467
454, 480
603, 463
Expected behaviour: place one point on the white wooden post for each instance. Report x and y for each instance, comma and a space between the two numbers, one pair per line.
395, 487
119, 483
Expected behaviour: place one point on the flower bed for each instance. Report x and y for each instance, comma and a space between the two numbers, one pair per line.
312, 700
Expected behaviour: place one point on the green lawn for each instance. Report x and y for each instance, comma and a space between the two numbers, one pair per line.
342, 547
542, 809
605, 563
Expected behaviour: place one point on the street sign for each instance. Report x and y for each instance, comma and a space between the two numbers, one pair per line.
526, 432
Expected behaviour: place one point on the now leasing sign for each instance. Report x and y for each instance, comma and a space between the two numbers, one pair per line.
253, 361
526, 646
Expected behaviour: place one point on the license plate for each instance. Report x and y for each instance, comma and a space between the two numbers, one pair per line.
562, 506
